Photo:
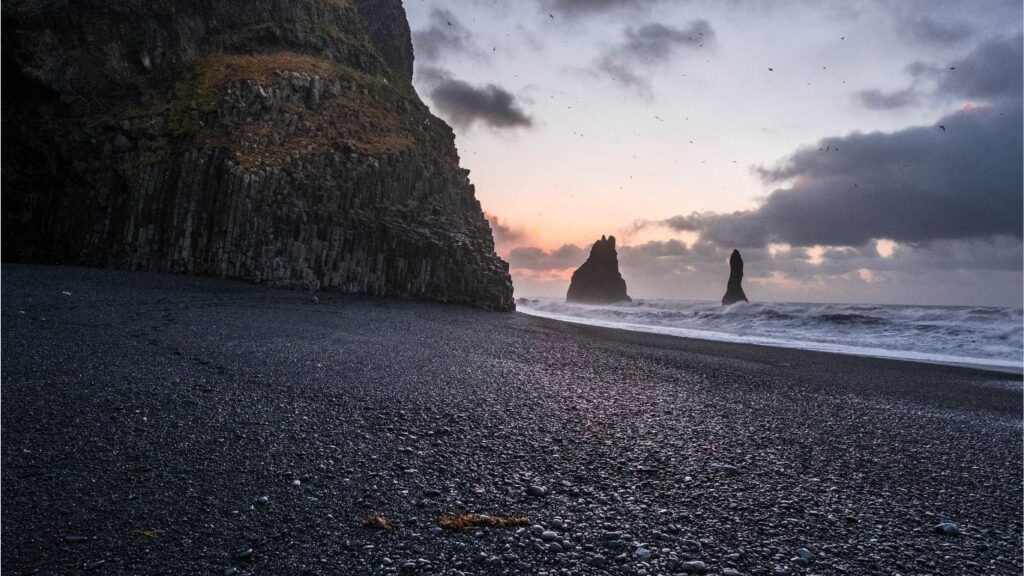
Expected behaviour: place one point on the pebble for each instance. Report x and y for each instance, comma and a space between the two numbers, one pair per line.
693, 567
432, 493
947, 529
296, 482
76, 538
642, 553
95, 565
731, 572
536, 491
245, 553
555, 547
263, 499
548, 535
804, 553
230, 571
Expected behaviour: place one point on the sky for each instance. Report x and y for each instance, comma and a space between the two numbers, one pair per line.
852, 151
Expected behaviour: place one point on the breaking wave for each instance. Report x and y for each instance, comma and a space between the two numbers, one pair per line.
971, 336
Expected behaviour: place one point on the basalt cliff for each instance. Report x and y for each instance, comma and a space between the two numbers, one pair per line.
598, 280
274, 141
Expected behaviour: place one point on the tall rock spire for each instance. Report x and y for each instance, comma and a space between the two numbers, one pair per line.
734, 291
598, 280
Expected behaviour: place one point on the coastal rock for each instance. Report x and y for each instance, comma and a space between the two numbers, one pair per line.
598, 280
282, 144
734, 290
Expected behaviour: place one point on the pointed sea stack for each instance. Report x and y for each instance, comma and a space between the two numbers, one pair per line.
598, 280
734, 292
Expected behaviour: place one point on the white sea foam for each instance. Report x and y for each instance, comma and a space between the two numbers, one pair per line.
970, 336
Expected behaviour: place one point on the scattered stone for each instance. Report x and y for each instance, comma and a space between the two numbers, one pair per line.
244, 553
536, 491
642, 553
263, 499
947, 529
95, 565
548, 536
804, 553
693, 567
731, 572
76, 538
376, 523
296, 482
555, 547
230, 571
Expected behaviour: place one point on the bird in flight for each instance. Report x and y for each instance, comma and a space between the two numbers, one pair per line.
943, 127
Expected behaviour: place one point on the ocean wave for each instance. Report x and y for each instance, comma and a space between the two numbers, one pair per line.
984, 336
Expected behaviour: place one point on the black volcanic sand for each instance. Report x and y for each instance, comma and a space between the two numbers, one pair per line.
144, 417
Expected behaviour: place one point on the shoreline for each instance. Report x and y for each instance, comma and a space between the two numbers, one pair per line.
981, 364
175, 424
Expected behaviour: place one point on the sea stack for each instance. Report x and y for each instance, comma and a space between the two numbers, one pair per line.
598, 280
734, 291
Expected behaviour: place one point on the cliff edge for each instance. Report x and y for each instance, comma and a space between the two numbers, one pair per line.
277, 142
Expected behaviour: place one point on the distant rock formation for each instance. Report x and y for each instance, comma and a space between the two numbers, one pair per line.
598, 280
734, 291
275, 142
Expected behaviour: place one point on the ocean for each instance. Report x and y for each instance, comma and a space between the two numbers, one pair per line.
976, 336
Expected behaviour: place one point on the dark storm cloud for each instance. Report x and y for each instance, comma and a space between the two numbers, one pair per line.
464, 104
878, 100
444, 35
532, 258
990, 71
628, 62
916, 185
928, 30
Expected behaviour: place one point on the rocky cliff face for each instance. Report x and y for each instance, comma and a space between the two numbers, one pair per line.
598, 280
734, 290
274, 141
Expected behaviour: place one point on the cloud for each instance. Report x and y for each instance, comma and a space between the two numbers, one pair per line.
928, 30
537, 259
991, 71
878, 100
915, 185
629, 62
959, 178
464, 104
573, 8
443, 35
505, 235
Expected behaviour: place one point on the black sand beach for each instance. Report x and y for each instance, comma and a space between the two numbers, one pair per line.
173, 425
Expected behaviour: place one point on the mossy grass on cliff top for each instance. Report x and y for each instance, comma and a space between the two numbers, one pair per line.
367, 112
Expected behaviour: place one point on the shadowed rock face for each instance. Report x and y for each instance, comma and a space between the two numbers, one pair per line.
280, 143
734, 291
598, 280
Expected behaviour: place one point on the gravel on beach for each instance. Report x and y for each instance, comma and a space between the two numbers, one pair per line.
157, 424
